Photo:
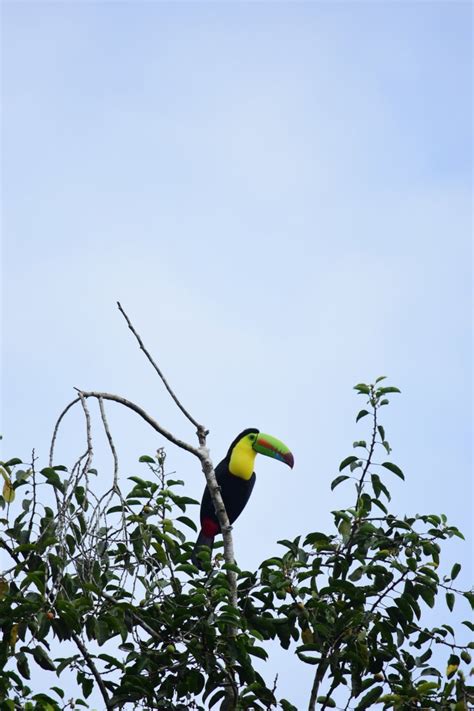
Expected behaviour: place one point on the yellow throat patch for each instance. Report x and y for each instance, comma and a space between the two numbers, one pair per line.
242, 459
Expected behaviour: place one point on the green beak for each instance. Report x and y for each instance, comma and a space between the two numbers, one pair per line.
272, 447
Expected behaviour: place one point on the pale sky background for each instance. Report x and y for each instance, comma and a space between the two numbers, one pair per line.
280, 196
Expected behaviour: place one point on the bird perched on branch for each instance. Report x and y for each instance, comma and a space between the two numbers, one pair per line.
236, 479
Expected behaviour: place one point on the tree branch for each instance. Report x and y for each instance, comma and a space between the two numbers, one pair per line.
202, 453
318, 677
200, 428
56, 428
90, 663
90, 451
144, 415
110, 441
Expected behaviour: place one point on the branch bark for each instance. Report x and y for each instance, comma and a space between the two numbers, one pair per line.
56, 428
90, 663
199, 427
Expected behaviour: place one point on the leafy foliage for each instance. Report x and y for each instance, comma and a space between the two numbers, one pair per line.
112, 575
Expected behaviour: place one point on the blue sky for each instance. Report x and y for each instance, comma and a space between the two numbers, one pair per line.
280, 196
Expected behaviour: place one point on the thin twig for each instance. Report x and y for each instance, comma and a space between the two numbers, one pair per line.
90, 451
144, 415
328, 695
90, 663
202, 453
56, 428
158, 370
368, 463
110, 441
33, 506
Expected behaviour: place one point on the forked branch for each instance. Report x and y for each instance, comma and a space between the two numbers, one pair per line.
201, 452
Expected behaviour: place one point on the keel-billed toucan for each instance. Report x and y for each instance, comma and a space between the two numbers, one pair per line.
236, 480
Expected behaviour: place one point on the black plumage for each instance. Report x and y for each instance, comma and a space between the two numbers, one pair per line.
235, 493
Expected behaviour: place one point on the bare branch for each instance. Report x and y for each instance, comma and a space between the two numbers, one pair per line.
318, 678
110, 441
202, 453
144, 415
90, 452
56, 428
222, 517
200, 428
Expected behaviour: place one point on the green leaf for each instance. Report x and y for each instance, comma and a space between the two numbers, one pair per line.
22, 664
36, 577
215, 698
115, 509
232, 566
381, 377
450, 600
102, 631
362, 389
137, 480
381, 432
188, 568
146, 458
394, 469
175, 482
452, 666
369, 698
195, 681
258, 652
53, 478
470, 596
58, 691
425, 687
187, 522
389, 389
307, 659
465, 656
455, 571
87, 686
42, 659
345, 530
338, 480
13, 462
357, 573
362, 413
326, 700
348, 460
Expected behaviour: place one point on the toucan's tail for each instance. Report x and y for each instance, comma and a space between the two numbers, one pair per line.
202, 540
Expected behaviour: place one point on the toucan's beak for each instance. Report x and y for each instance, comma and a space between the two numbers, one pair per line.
272, 447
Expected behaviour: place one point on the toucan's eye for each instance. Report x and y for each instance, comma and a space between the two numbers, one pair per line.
252, 437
